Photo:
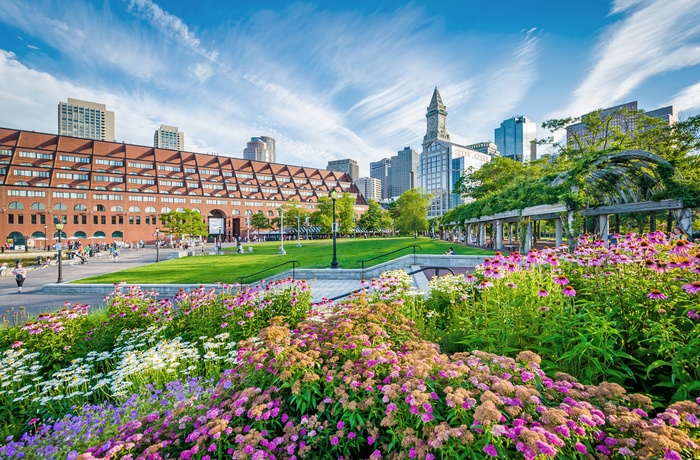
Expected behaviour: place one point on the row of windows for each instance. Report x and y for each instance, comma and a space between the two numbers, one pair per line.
39, 155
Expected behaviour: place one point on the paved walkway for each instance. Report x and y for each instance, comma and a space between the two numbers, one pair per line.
36, 301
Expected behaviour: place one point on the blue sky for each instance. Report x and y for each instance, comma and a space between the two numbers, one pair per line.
335, 79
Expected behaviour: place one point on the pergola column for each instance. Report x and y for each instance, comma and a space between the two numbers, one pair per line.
603, 224
558, 226
482, 233
499, 235
459, 232
510, 233
684, 218
469, 233
527, 244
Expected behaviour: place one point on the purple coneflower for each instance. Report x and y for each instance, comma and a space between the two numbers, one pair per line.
469, 278
561, 280
543, 293
569, 291
656, 294
692, 288
484, 285
511, 285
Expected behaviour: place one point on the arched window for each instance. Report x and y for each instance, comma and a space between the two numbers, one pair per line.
16, 205
150, 209
134, 209
236, 212
270, 213
80, 207
117, 209
38, 206
99, 208
197, 210
59, 207
165, 210
180, 210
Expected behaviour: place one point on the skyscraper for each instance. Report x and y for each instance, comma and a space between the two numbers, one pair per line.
260, 148
442, 163
88, 120
369, 187
380, 170
514, 138
348, 166
168, 137
621, 117
402, 174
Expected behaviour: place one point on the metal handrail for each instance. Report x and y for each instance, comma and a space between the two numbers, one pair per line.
414, 246
295, 263
437, 273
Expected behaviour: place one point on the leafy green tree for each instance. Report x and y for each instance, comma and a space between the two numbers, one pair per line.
259, 221
375, 218
187, 223
344, 213
412, 210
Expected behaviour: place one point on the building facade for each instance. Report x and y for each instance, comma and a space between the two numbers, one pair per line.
514, 136
403, 171
347, 166
489, 148
370, 188
84, 119
168, 137
106, 191
260, 148
438, 172
380, 170
621, 116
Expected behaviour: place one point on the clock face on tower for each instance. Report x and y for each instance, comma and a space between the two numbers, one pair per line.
431, 121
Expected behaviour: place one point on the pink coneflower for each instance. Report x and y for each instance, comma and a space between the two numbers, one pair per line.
656, 294
569, 291
561, 280
694, 314
511, 267
511, 285
543, 293
17, 344
692, 288
469, 278
661, 267
484, 285
680, 247
495, 273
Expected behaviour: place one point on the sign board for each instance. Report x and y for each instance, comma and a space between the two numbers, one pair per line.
58, 246
216, 226
19, 247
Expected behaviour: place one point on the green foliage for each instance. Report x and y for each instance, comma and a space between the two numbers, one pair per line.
375, 218
259, 221
412, 211
186, 223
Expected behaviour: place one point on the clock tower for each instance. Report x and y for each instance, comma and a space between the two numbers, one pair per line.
435, 121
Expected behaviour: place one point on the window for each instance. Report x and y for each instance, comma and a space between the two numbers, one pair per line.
137, 180
117, 209
80, 207
94, 219
103, 220
62, 175
170, 183
169, 168
42, 156
74, 159
108, 179
59, 207
134, 164
100, 161
20, 219
138, 220
10, 219
16, 205
33, 219
30, 173
70, 195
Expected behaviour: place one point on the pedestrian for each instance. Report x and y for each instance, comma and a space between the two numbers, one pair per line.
116, 255
20, 275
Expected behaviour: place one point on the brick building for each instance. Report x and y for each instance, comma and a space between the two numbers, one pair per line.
106, 191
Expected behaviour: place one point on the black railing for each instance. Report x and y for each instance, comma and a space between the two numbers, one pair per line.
295, 263
437, 273
386, 254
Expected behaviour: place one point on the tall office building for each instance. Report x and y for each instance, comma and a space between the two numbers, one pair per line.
380, 170
260, 148
369, 187
168, 137
347, 166
402, 174
489, 148
442, 163
514, 136
88, 120
621, 116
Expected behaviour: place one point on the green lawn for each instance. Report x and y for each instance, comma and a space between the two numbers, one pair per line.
314, 254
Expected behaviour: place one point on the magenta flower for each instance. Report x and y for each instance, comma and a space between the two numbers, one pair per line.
656, 294
370, 440
334, 441
692, 288
569, 291
511, 285
543, 293
484, 285
340, 425
490, 449
17, 344
352, 435
561, 280
694, 314
672, 455
527, 376
471, 279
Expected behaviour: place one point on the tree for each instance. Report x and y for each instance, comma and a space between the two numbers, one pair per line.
185, 223
491, 178
412, 210
375, 218
344, 213
259, 221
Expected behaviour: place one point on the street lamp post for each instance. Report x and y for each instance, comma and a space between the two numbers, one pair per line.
59, 228
298, 234
157, 245
334, 262
46, 238
281, 250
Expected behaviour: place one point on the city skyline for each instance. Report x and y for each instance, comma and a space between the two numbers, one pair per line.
327, 89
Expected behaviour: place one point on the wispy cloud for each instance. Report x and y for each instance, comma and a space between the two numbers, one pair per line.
688, 100
654, 38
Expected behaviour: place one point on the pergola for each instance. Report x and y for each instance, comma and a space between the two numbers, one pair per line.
624, 181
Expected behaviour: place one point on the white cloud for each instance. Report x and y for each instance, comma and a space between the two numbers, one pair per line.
688, 99
655, 38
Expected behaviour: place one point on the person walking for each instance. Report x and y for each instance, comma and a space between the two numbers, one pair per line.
20, 275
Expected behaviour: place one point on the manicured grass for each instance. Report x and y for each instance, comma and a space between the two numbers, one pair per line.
229, 267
